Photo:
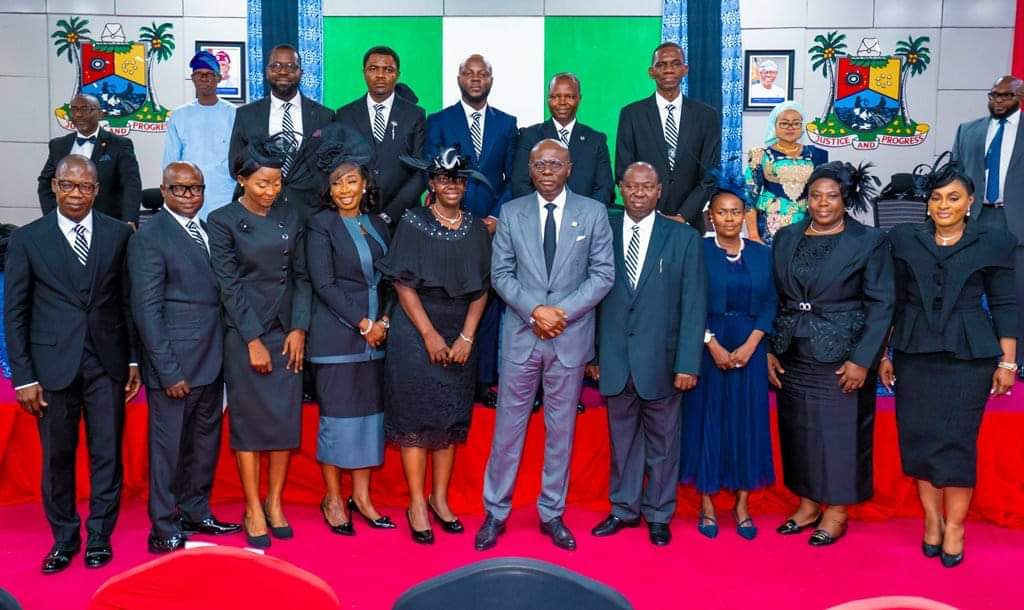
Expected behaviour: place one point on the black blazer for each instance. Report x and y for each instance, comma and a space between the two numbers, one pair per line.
346, 287
260, 264
939, 291
120, 192
849, 303
687, 187
176, 305
252, 122
400, 185
47, 315
591, 167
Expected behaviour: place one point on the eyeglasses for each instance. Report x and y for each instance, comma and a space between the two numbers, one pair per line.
85, 188
1002, 96
446, 180
789, 124
204, 75
280, 67
186, 190
83, 109
629, 187
553, 164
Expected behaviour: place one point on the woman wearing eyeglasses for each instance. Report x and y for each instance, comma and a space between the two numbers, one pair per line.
439, 263
777, 173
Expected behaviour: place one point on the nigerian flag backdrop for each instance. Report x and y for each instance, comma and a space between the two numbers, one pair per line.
609, 54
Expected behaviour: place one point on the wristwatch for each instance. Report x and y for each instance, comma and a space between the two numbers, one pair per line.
384, 216
708, 335
385, 322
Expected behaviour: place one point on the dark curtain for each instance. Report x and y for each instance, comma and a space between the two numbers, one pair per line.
704, 42
280, 25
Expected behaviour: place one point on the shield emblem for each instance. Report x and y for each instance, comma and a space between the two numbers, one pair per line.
867, 92
115, 74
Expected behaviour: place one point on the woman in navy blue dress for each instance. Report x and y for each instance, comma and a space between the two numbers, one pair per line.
726, 431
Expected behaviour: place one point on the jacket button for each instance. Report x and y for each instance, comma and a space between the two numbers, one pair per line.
285, 251
283, 280
631, 333
284, 267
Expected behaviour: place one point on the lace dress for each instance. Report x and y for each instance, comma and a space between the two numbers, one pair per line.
428, 405
776, 183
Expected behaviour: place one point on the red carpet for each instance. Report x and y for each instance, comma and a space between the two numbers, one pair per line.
372, 569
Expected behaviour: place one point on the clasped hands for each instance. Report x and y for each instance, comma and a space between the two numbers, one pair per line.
548, 321
294, 350
444, 354
736, 359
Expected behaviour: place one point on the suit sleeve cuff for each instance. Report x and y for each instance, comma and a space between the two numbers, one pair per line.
27, 385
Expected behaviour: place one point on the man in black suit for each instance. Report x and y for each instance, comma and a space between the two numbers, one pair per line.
393, 126
69, 338
287, 111
681, 138
176, 305
120, 192
591, 168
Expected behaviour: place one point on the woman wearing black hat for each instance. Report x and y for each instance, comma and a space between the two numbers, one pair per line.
439, 262
349, 324
257, 254
834, 277
949, 354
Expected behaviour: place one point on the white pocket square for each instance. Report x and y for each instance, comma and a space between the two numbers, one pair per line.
580, 237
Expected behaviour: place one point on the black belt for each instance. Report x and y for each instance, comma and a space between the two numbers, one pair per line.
821, 307
997, 206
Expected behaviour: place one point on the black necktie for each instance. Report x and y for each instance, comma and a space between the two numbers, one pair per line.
80, 141
550, 237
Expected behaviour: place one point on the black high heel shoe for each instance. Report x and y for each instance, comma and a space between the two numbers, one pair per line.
952, 561
452, 527
257, 542
384, 523
284, 532
345, 529
419, 536
931, 551
791, 527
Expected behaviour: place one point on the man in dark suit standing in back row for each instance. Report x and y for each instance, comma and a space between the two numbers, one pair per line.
591, 167
176, 306
120, 192
679, 137
71, 348
286, 111
393, 126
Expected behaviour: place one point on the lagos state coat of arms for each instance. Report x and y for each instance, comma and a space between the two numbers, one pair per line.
867, 101
116, 71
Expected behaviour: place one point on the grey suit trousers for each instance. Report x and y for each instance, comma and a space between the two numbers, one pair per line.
996, 217
517, 388
645, 438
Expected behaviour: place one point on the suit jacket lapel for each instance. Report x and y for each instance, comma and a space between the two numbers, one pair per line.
263, 117
363, 120
659, 237
532, 237
102, 141
99, 251
1017, 156
567, 233
176, 233
616, 221
59, 259
463, 139
657, 135
490, 127
309, 122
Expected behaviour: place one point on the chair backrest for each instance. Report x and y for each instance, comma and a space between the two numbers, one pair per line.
511, 583
892, 212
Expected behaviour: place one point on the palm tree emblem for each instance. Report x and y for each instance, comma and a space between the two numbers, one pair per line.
916, 58
824, 55
161, 47
68, 40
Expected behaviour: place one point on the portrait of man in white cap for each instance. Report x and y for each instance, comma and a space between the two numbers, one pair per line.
765, 89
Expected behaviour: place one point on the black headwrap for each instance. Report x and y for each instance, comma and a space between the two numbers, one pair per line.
857, 186
944, 171
340, 144
269, 152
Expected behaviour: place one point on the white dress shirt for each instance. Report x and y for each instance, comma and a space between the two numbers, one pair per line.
277, 116
559, 202
1009, 139
469, 110
559, 127
663, 112
388, 103
183, 221
84, 149
67, 228
646, 227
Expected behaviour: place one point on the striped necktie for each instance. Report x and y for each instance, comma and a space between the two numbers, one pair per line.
378, 122
477, 134
563, 134
633, 256
671, 135
81, 246
288, 127
193, 232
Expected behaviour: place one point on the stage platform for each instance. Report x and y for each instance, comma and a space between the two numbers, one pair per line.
999, 497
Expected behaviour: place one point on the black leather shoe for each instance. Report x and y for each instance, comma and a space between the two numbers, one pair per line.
487, 537
384, 523
452, 527
210, 526
559, 533
419, 536
791, 527
486, 396
612, 525
159, 546
283, 532
659, 533
98, 556
345, 529
59, 558
821, 537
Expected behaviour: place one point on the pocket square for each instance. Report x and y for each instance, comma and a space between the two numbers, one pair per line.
105, 157
580, 237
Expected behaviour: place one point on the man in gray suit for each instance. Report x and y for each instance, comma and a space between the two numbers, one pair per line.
991, 149
551, 263
659, 301
176, 305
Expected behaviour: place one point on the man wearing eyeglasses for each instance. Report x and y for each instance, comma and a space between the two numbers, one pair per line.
114, 158
200, 132
991, 149
286, 111
71, 347
177, 309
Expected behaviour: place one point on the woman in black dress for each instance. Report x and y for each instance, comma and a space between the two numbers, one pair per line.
835, 282
439, 262
949, 354
349, 325
257, 255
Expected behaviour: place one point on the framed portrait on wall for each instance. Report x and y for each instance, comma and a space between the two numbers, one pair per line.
768, 78
231, 57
